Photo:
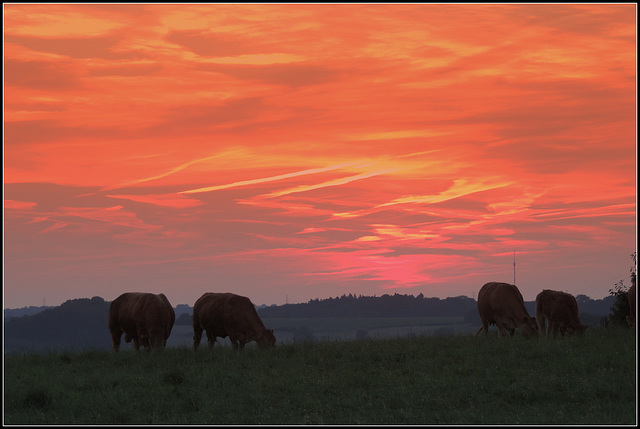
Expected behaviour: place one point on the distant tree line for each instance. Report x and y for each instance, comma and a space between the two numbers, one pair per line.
396, 305
82, 323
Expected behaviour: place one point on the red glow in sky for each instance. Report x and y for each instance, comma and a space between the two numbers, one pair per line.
288, 152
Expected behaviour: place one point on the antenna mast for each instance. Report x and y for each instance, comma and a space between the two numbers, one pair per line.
514, 267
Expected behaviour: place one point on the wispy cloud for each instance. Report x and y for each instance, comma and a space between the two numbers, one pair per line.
460, 188
270, 179
162, 175
335, 182
166, 200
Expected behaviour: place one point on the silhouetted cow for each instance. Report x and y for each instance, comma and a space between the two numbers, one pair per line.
228, 314
501, 304
561, 310
145, 318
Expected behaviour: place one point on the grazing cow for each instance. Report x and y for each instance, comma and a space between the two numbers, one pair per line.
501, 304
561, 310
145, 318
631, 296
228, 314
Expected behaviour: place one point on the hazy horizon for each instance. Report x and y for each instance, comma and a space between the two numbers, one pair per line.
302, 302
288, 152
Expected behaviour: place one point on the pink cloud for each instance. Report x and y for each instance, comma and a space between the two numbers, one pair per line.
19, 205
171, 200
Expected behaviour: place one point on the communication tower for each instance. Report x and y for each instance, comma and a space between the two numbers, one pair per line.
514, 267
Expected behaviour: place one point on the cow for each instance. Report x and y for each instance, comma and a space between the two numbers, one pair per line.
229, 315
145, 318
631, 296
501, 304
561, 310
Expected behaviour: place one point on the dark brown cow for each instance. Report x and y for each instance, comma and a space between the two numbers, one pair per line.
228, 314
631, 295
501, 304
145, 318
561, 310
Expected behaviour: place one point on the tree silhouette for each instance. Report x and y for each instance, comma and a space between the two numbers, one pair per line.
620, 308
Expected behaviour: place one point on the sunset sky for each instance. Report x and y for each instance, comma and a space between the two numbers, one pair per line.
288, 152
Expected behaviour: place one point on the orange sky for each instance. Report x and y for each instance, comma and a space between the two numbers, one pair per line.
291, 152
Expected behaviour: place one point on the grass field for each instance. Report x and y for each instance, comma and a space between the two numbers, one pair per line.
460, 379
344, 328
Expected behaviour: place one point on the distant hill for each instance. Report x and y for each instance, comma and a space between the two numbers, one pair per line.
24, 311
76, 324
82, 323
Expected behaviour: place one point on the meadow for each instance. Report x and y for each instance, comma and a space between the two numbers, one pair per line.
459, 379
342, 328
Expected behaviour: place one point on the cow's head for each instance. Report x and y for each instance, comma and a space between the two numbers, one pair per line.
529, 326
154, 341
267, 339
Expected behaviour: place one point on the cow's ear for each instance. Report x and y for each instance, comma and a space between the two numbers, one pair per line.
271, 330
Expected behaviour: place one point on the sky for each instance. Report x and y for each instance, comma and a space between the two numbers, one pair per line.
288, 152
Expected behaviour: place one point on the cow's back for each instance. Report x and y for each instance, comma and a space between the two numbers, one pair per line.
123, 310
497, 299
229, 315
240, 314
544, 302
560, 309
208, 313
502, 304
158, 313
144, 317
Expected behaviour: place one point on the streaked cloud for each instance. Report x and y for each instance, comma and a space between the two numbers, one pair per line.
268, 179
335, 182
175, 200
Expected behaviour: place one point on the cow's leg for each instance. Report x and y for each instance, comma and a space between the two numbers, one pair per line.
502, 329
136, 344
211, 339
197, 336
115, 340
484, 327
149, 342
234, 341
541, 323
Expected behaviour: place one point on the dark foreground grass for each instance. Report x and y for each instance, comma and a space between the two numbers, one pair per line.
421, 380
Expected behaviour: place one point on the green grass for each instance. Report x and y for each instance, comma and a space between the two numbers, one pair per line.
422, 380
341, 324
